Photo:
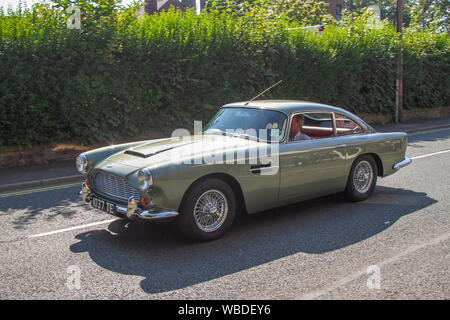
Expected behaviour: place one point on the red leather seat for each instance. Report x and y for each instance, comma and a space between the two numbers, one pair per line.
317, 132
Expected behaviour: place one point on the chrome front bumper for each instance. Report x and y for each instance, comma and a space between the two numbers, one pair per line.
402, 164
132, 210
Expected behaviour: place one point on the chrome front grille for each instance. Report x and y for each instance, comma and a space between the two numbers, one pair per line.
114, 186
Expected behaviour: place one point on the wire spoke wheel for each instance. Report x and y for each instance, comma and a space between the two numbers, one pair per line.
211, 210
363, 177
208, 210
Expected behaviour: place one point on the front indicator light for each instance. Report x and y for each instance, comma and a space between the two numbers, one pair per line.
132, 206
85, 190
144, 202
148, 203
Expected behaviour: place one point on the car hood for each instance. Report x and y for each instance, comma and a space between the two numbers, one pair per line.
152, 154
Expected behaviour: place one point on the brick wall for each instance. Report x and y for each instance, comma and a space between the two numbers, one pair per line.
334, 7
152, 7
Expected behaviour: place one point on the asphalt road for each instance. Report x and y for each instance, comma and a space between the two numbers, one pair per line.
396, 245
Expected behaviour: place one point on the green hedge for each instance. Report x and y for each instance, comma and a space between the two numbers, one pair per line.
119, 76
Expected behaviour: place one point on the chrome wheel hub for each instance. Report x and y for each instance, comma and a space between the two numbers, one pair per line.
363, 177
211, 210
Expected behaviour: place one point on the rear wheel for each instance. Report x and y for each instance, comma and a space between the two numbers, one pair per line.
362, 178
208, 210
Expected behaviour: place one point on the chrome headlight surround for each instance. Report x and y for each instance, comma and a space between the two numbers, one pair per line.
145, 179
82, 163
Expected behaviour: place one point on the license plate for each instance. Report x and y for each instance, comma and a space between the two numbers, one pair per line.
103, 205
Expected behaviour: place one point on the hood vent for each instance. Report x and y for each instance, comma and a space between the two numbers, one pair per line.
149, 151
138, 154
145, 155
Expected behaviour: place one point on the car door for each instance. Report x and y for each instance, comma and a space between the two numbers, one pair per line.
352, 134
316, 166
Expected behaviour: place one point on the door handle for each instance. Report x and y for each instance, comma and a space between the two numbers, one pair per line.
257, 168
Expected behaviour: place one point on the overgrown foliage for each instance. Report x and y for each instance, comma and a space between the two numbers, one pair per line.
301, 12
119, 76
423, 14
433, 14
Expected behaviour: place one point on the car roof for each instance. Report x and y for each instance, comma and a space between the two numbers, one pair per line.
293, 106
286, 106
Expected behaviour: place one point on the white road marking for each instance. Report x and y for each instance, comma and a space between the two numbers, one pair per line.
51, 188
356, 275
430, 154
70, 229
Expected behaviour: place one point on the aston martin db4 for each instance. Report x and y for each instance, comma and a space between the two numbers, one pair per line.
250, 157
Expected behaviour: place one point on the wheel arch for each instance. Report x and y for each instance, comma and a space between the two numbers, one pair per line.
378, 162
227, 178
377, 159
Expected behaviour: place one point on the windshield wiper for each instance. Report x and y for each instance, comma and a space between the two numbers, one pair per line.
245, 136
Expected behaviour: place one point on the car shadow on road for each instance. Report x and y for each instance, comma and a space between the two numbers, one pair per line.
169, 262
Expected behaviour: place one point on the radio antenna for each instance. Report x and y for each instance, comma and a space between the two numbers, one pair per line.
264, 91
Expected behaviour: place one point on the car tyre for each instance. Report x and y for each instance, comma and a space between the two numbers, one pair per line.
362, 179
207, 211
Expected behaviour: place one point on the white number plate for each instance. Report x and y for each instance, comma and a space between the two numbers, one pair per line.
103, 205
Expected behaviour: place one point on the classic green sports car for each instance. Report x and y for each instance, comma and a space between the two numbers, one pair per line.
252, 156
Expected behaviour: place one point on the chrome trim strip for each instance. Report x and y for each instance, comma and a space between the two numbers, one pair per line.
146, 215
333, 119
402, 163
260, 169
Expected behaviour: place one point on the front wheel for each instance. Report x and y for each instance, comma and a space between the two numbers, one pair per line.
362, 179
208, 210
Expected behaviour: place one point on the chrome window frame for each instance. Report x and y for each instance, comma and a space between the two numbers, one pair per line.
312, 111
364, 130
333, 117
286, 117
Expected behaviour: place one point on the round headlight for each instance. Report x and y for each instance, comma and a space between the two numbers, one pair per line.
82, 163
145, 179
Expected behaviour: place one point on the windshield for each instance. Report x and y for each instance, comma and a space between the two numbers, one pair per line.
253, 123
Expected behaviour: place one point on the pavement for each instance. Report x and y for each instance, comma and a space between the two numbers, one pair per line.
17, 178
414, 127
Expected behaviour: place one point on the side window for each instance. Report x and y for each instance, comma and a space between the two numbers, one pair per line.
345, 125
307, 126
